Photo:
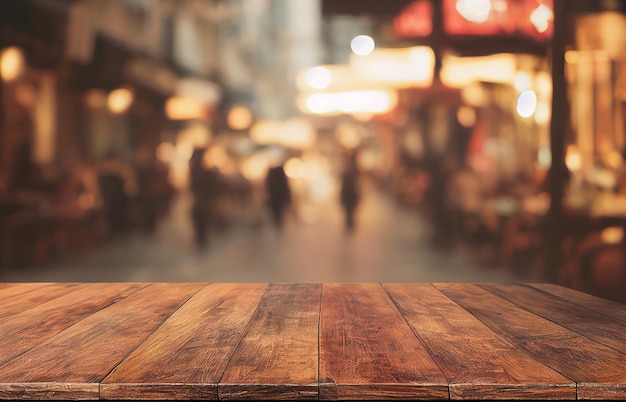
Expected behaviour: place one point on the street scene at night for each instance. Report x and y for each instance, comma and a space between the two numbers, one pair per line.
314, 141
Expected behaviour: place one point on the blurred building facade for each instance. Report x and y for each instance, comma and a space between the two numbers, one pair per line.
477, 128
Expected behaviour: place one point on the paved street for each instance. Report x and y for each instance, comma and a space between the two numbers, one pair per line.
390, 244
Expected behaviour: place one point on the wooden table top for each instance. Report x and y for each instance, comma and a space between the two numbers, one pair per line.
309, 341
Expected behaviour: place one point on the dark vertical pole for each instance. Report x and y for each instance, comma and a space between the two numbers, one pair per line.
557, 175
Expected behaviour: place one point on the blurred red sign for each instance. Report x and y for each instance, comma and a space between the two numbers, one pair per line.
415, 20
533, 18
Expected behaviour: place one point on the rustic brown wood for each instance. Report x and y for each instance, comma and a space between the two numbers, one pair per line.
368, 351
30, 328
478, 363
599, 371
186, 357
18, 303
308, 341
599, 327
82, 354
277, 357
609, 308
12, 289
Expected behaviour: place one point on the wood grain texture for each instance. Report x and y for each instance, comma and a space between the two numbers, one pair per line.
12, 289
478, 363
599, 371
49, 391
18, 303
84, 353
277, 356
186, 357
29, 328
596, 326
367, 350
615, 310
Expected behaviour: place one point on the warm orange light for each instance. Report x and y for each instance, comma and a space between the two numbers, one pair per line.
459, 72
612, 235
573, 159
239, 117
12, 63
400, 68
184, 108
119, 100
352, 102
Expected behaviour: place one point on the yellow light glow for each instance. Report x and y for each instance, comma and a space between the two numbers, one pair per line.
239, 117
12, 63
573, 159
353, 102
459, 72
612, 235
586, 56
614, 159
542, 113
255, 167
119, 100
400, 68
466, 116
196, 134
526, 104
475, 95
362, 45
543, 83
544, 157
184, 108
184, 150
216, 157
265, 132
294, 168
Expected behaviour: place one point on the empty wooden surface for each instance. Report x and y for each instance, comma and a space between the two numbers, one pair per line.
309, 341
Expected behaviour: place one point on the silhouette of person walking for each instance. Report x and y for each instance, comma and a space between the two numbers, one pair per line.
204, 186
349, 192
278, 194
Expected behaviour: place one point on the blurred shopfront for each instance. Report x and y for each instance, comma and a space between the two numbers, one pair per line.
491, 153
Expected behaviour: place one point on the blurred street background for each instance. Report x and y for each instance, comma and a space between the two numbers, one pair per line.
314, 141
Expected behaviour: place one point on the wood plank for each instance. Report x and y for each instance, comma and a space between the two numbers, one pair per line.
478, 362
599, 371
79, 357
11, 289
29, 328
187, 355
368, 351
603, 306
18, 303
277, 357
601, 328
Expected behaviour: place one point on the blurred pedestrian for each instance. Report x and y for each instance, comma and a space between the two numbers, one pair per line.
146, 200
278, 194
117, 184
205, 186
349, 192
